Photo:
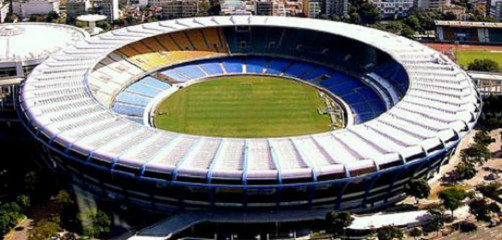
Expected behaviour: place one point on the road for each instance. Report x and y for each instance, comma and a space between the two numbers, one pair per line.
22, 234
483, 233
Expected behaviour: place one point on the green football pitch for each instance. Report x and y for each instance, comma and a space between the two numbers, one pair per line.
464, 57
244, 106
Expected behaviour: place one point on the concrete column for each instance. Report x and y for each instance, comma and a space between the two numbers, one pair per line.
19, 69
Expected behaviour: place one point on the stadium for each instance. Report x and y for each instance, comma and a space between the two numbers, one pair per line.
397, 109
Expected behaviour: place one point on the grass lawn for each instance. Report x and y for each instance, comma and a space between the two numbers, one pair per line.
435, 192
464, 57
244, 106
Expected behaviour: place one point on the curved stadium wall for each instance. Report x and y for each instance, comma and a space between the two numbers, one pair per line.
69, 105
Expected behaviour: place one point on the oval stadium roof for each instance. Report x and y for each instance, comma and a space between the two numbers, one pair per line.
440, 106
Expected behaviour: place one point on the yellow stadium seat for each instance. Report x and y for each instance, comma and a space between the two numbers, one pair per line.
164, 50
197, 40
182, 41
167, 42
153, 44
214, 41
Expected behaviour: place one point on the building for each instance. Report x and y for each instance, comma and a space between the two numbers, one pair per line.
75, 8
393, 8
177, 8
312, 8
4, 10
21, 53
234, 7
495, 9
107, 145
459, 12
109, 8
489, 83
25, 9
280, 9
264, 7
288, 8
432, 4
468, 32
335, 7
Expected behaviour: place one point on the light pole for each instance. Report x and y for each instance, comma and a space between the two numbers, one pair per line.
456, 50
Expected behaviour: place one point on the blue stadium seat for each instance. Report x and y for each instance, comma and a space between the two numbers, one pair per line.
212, 67
315, 73
127, 97
190, 71
395, 74
153, 82
127, 109
378, 106
297, 69
138, 119
328, 82
345, 87
352, 98
362, 107
256, 65
232, 65
277, 66
171, 73
143, 90
360, 118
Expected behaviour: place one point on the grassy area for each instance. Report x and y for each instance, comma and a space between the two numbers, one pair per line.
244, 106
464, 57
435, 192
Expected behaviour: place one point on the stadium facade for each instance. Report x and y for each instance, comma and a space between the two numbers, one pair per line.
89, 108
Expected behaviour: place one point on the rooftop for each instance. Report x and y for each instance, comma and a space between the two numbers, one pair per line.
91, 18
18, 44
468, 24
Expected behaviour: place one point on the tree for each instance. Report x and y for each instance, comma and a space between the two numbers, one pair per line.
96, 223
464, 171
10, 213
52, 16
467, 227
369, 13
105, 25
63, 198
449, 16
30, 181
418, 188
389, 233
44, 230
23, 201
476, 153
415, 233
66, 208
483, 138
479, 208
413, 22
437, 221
489, 190
7, 221
338, 221
494, 207
407, 32
362, 12
484, 65
452, 198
